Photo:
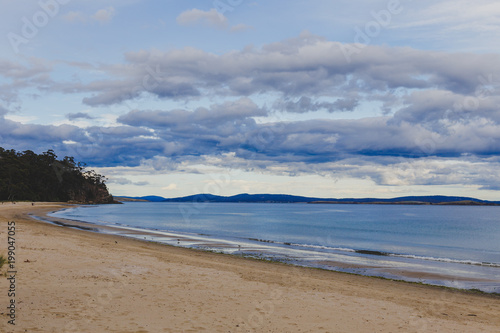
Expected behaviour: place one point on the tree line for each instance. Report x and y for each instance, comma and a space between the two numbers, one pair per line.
27, 176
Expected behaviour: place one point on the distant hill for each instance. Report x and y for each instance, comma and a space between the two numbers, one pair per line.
434, 199
270, 198
285, 198
150, 198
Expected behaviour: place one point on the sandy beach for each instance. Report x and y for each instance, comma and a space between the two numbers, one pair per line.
71, 280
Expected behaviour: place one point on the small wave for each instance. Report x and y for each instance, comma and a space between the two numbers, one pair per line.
321, 247
380, 253
454, 261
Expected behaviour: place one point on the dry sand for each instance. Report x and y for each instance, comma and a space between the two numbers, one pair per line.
78, 281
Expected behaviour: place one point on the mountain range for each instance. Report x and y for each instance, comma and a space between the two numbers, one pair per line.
285, 198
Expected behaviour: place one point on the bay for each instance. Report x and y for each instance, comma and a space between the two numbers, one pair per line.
455, 246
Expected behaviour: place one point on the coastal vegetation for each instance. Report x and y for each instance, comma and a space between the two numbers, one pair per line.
27, 176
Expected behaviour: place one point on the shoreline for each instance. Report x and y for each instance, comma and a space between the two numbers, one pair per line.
129, 285
391, 266
127, 232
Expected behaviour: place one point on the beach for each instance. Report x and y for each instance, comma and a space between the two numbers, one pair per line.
70, 280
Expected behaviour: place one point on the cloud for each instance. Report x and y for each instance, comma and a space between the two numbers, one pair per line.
118, 91
211, 18
114, 93
3, 111
306, 104
125, 181
230, 128
33, 68
226, 136
305, 66
240, 27
455, 15
195, 16
491, 187
439, 120
119, 181
170, 187
202, 131
104, 15
345, 104
201, 117
453, 25
95, 145
78, 115
24, 74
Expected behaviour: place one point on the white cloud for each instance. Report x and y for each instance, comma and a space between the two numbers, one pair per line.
195, 16
104, 15
170, 187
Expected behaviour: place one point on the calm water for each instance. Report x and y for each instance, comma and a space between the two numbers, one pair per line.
445, 245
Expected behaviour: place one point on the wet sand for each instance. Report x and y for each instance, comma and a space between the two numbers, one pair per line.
71, 280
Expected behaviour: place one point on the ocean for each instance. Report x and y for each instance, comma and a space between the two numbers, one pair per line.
454, 246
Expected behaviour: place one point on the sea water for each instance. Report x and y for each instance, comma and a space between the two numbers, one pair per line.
456, 246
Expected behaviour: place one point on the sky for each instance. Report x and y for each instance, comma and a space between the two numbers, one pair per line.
332, 99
